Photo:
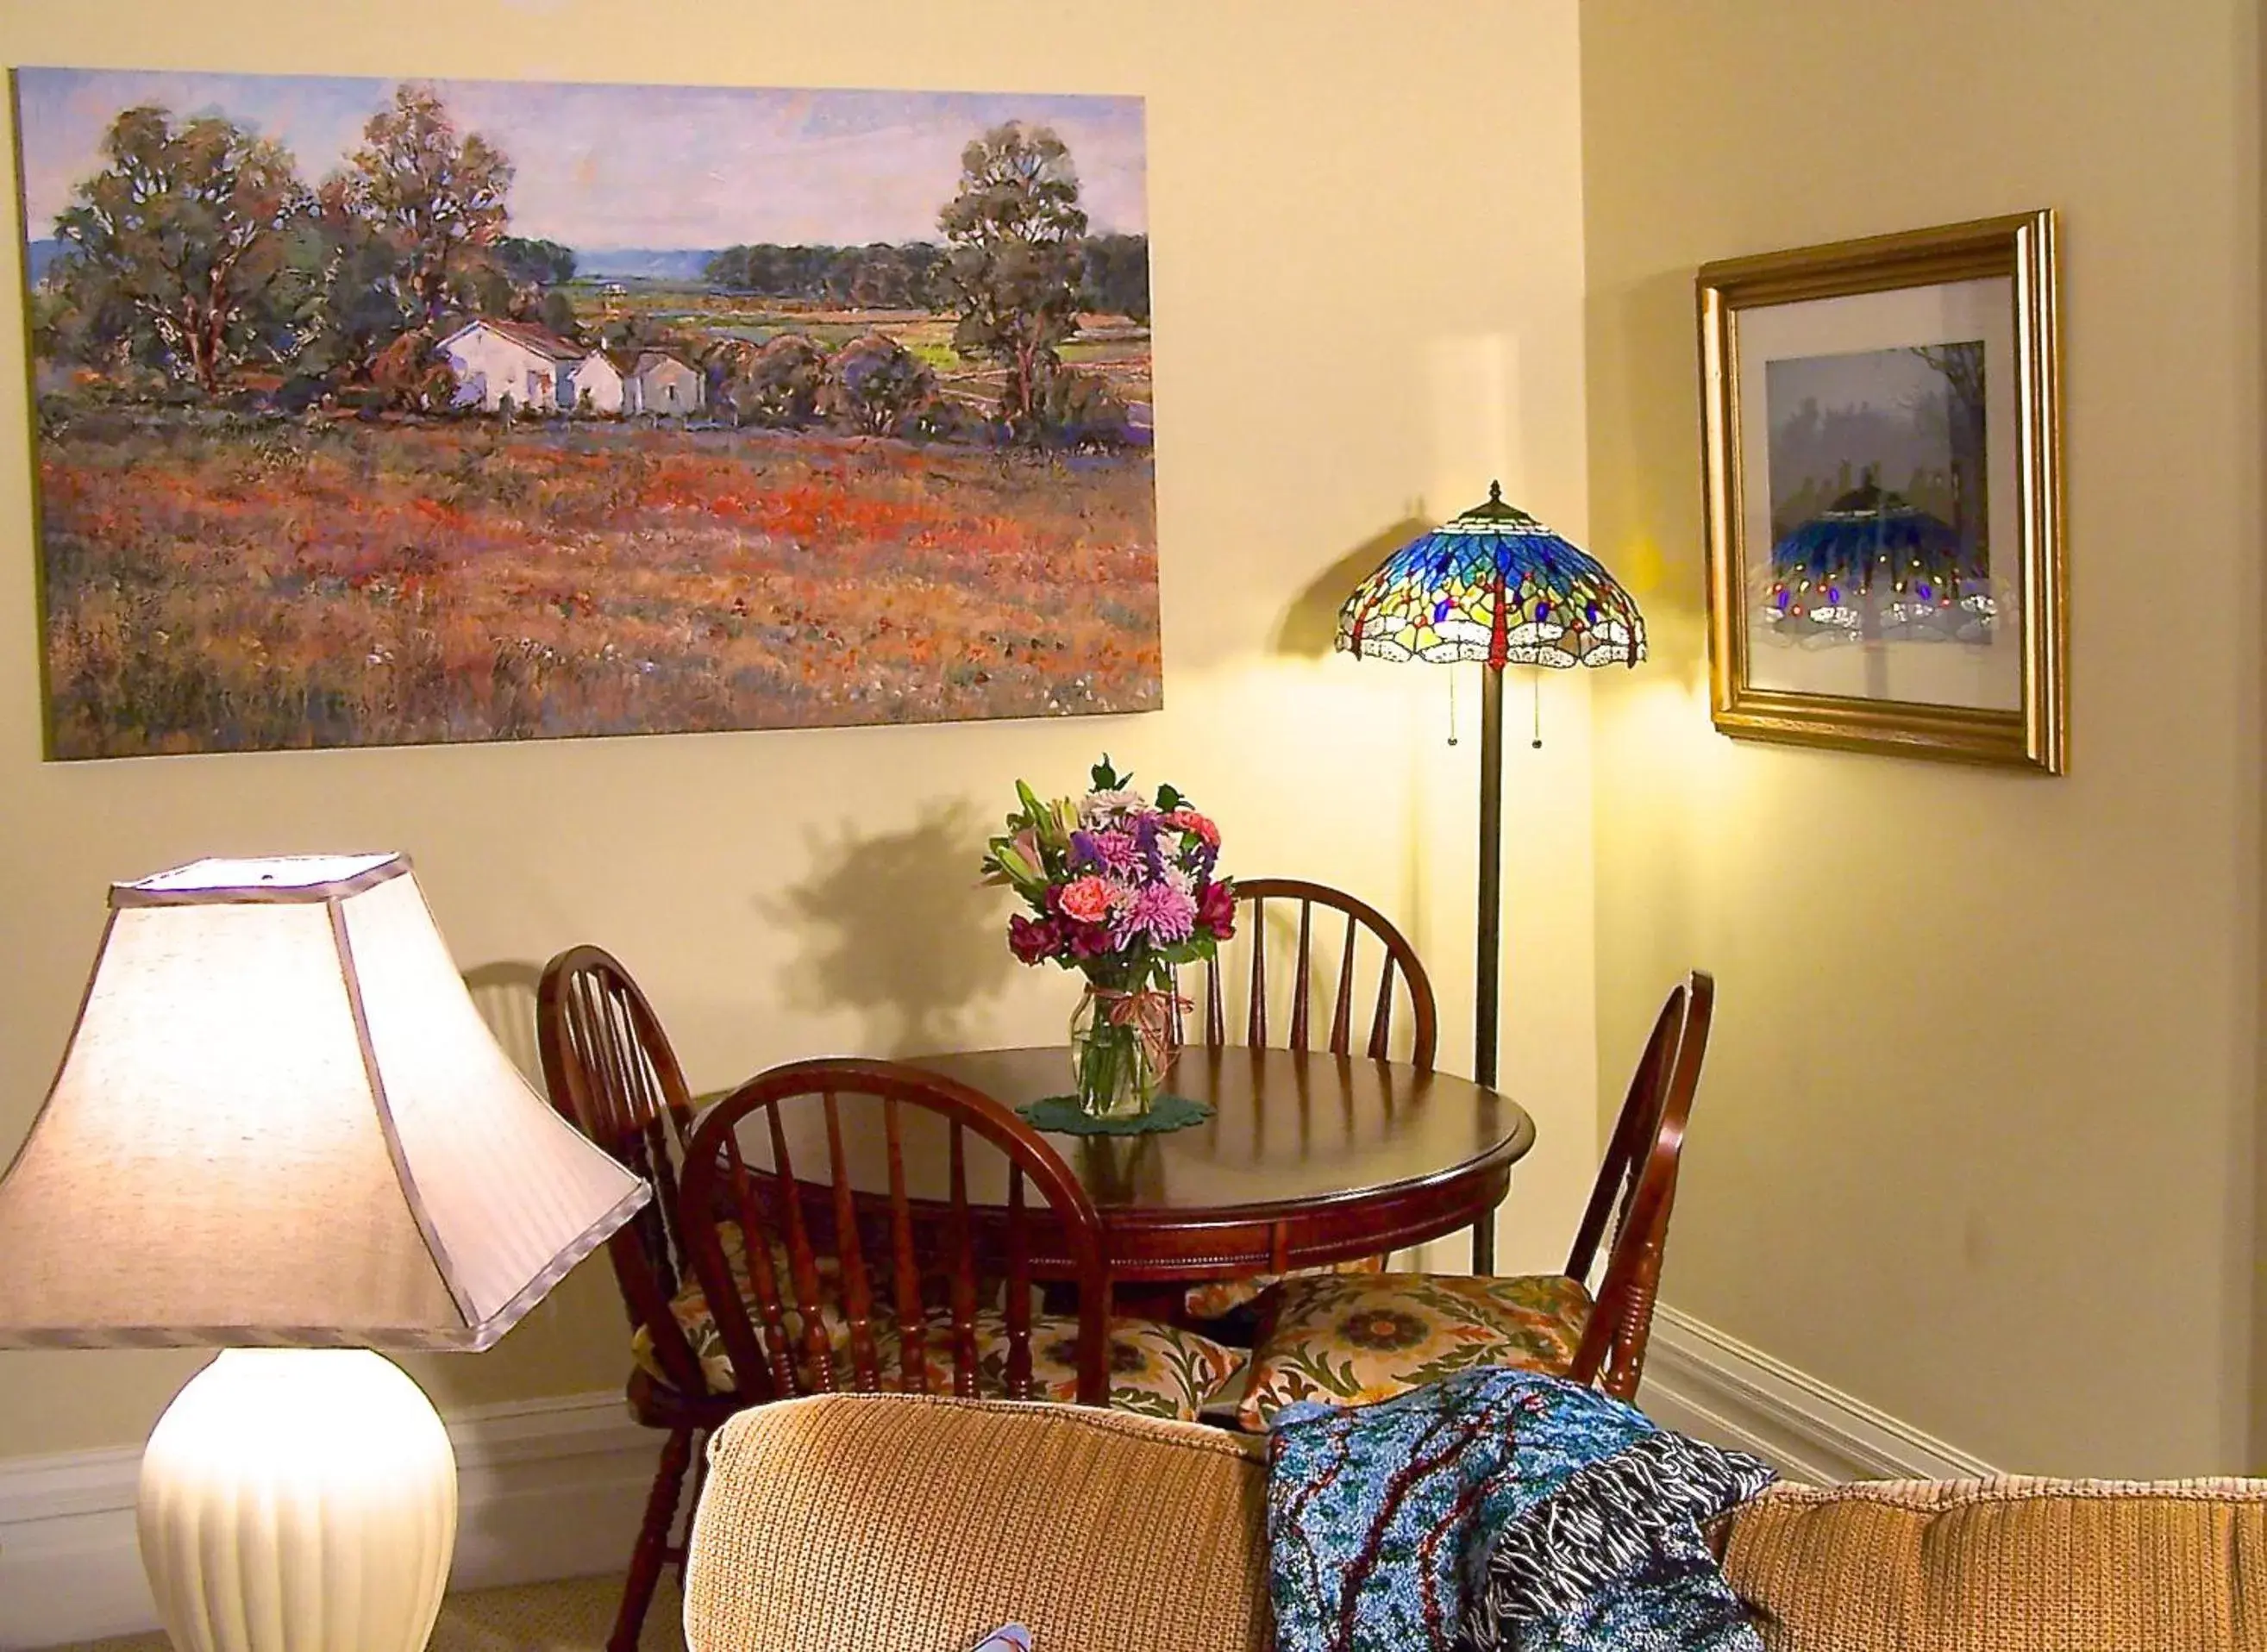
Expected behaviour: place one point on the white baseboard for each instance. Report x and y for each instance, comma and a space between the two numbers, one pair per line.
1700, 1382
546, 1488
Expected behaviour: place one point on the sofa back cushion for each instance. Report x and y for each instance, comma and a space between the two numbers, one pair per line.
895, 1524
2013, 1565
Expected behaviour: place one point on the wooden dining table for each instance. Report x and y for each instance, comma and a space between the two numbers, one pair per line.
1307, 1158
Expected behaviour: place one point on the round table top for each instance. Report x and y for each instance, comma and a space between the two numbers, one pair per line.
1291, 1132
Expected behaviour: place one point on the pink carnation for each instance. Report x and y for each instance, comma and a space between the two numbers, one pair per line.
1190, 820
1087, 900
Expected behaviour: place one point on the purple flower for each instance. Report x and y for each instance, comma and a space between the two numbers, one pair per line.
1145, 845
1162, 913
1084, 851
1115, 850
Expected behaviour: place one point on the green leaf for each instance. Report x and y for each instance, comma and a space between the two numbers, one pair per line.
1107, 779
1033, 807
1169, 798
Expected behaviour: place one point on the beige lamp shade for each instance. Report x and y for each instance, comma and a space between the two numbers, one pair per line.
280, 1121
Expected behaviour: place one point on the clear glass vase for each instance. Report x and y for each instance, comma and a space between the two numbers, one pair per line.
1120, 1045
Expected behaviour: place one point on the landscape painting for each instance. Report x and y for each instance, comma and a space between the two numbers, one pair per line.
378, 413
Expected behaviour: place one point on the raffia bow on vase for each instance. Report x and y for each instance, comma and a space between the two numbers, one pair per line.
1123, 1043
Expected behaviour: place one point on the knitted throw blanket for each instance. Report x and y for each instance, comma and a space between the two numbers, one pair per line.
1499, 1510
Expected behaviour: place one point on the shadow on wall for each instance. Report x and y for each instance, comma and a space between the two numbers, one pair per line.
897, 928
504, 993
1310, 625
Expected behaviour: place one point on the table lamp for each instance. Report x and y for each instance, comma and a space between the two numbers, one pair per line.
281, 1127
1496, 586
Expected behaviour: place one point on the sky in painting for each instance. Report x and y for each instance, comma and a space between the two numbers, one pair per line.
628, 166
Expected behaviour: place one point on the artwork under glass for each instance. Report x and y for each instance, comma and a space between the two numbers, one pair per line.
1881, 446
376, 413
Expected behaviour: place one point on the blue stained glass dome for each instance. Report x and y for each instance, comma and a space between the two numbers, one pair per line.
1874, 564
1493, 585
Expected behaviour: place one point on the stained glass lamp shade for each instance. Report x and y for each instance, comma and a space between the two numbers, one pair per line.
1496, 586
1872, 563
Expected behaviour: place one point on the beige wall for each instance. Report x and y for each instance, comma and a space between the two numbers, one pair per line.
1367, 289
1983, 1156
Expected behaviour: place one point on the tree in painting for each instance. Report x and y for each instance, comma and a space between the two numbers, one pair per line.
437, 198
1015, 229
177, 251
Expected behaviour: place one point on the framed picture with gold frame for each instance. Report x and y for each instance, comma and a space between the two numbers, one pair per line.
1881, 423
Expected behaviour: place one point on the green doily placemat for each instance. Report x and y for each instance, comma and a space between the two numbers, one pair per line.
1060, 1114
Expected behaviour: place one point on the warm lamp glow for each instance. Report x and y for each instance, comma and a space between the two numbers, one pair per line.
311, 1490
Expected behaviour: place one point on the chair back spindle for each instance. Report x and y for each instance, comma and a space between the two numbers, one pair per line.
1400, 974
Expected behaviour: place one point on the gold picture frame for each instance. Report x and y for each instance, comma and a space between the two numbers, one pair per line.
1854, 421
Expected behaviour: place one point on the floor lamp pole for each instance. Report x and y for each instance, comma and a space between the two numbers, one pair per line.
1486, 965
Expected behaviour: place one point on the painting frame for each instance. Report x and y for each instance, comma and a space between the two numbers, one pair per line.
2020, 249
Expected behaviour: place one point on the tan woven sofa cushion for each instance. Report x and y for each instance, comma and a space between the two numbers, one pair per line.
902, 1523
2007, 1566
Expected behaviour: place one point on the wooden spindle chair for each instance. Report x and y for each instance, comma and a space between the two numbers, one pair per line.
812, 1313
788, 1295
1545, 1322
1636, 1182
1361, 938
1396, 961
611, 1073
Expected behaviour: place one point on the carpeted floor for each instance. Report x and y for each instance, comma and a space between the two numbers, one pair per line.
573, 1616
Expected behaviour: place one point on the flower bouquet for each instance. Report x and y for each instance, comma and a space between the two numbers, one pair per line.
1122, 889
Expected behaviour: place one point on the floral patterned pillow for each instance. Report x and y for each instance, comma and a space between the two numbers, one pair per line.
1354, 1339
1218, 1298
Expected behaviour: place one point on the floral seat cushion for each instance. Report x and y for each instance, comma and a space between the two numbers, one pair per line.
690, 1309
1355, 1338
1217, 1299
1157, 1370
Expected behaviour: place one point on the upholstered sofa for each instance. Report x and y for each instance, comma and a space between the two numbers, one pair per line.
849, 1523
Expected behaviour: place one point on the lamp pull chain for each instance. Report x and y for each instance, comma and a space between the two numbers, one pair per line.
1452, 707
1535, 681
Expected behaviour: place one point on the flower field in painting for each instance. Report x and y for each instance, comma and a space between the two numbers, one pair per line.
220, 582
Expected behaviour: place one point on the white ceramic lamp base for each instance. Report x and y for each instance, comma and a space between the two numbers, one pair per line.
298, 1499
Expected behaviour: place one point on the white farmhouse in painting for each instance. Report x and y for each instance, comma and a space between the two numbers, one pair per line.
543, 374
664, 385
494, 359
593, 385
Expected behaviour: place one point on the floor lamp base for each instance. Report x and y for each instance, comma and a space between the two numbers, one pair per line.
298, 1499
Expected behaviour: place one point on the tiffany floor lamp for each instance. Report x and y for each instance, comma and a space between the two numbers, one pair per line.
1496, 586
